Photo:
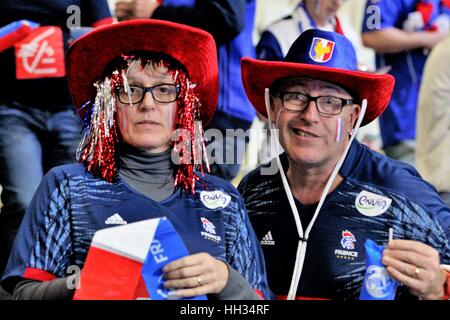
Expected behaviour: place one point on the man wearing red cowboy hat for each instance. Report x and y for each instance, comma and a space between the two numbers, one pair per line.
332, 193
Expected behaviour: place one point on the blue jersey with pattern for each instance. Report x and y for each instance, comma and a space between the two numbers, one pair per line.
377, 194
71, 204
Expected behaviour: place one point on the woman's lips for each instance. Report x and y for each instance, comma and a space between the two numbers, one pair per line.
148, 124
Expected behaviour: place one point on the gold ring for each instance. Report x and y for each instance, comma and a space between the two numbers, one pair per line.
199, 281
416, 272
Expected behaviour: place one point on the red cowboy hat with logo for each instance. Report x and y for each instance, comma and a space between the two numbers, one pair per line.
325, 56
195, 49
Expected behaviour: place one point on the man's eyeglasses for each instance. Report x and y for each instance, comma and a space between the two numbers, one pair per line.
327, 105
162, 93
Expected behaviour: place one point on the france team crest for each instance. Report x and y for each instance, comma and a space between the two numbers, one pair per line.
348, 240
208, 226
321, 50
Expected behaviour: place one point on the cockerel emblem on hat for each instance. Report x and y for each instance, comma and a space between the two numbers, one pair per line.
321, 50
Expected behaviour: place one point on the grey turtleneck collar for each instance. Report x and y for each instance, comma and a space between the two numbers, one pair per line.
149, 173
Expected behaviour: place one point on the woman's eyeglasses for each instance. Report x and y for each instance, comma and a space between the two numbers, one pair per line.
162, 93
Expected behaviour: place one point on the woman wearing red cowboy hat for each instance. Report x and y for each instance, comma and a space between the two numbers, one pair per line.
143, 89
331, 194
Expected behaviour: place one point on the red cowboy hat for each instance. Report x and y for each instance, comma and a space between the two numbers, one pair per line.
88, 57
325, 56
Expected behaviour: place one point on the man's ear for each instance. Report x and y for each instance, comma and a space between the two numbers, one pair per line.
353, 117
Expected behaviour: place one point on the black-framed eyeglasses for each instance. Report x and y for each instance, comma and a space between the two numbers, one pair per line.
327, 105
162, 93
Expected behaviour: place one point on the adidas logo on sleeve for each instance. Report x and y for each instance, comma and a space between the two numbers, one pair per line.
268, 240
115, 219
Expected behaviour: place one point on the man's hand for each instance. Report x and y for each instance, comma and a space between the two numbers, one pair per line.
417, 266
143, 9
123, 10
195, 275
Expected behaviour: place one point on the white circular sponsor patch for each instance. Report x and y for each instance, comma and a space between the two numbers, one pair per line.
215, 199
372, 204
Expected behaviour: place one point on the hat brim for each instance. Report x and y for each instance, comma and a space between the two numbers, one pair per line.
88, 57
257, 75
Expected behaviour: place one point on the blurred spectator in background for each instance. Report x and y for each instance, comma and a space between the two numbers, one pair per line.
402, 33
433, 121
38, 127
319, 14
231, 24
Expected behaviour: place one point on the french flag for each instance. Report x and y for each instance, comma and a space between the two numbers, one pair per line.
125, 262
14, 32
339, 129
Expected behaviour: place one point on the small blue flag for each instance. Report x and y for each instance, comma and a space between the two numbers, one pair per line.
166, 247
377, 284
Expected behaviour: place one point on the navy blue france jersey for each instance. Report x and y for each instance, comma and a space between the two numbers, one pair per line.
71, 204
377, 194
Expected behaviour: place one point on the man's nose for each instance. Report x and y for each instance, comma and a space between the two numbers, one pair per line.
311, 113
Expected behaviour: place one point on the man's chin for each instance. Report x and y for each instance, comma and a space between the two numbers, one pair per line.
306, 159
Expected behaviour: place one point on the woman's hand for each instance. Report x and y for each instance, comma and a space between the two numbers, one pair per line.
195, 275
417, 266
